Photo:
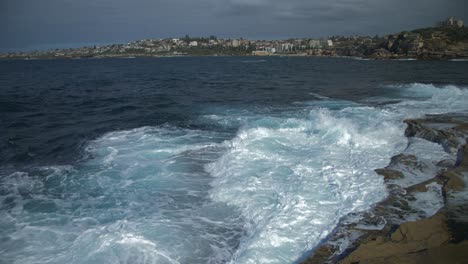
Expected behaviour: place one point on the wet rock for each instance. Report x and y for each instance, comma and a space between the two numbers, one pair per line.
320, 255
446, 163
449, 130
418, 128
408, 160
455, 178
390, 174
405, 170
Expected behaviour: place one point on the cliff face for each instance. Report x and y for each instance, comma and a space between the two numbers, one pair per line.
398, 237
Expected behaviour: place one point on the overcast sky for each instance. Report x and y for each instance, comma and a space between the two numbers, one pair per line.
31, 24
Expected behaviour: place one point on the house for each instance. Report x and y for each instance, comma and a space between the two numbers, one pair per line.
235, 43
193, 44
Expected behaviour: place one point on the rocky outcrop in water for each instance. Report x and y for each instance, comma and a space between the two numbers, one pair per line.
402, 228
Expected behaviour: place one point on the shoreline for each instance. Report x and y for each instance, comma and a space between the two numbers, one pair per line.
384, 234
136, 56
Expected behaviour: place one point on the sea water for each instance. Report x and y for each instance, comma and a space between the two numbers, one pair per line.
202, 160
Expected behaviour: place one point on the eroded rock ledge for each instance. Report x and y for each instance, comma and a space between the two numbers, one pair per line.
401, 229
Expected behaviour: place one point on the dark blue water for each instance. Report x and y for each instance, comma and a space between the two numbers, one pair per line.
131, 160
50, 108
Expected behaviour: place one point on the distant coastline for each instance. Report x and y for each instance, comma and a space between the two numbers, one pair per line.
446, 41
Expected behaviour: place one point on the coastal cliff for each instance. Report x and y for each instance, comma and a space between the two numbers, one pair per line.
434, 43
394, 231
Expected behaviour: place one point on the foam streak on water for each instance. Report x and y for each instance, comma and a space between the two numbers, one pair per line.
294, 179
165, 194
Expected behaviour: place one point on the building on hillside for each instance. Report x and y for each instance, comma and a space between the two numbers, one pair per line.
235, 43
286, 47
451, 22
193, 44
315, 44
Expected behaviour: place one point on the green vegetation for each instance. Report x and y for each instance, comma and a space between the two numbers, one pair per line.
454, 34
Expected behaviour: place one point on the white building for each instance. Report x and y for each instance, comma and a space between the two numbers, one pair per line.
193, 44
287, 47
235, 43
330, 43
315, 44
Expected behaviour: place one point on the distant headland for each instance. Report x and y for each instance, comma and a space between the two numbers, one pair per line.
446, 40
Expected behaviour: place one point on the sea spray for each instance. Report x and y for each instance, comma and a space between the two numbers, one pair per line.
167, 194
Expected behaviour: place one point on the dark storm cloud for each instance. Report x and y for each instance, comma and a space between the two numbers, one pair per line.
45, 23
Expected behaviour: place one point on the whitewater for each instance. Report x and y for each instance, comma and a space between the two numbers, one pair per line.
165, 194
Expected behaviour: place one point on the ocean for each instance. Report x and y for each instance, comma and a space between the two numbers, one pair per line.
202, 159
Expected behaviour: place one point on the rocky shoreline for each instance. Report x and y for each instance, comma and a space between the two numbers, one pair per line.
424, 219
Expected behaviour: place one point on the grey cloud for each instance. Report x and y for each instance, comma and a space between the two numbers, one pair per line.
36, 23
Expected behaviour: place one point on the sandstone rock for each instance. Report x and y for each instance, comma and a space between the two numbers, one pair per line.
409, 238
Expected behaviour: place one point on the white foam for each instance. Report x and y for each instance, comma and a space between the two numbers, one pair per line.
318, 96
295, 180
172, 195
428, 202
140, 198
421, 99
426, 156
